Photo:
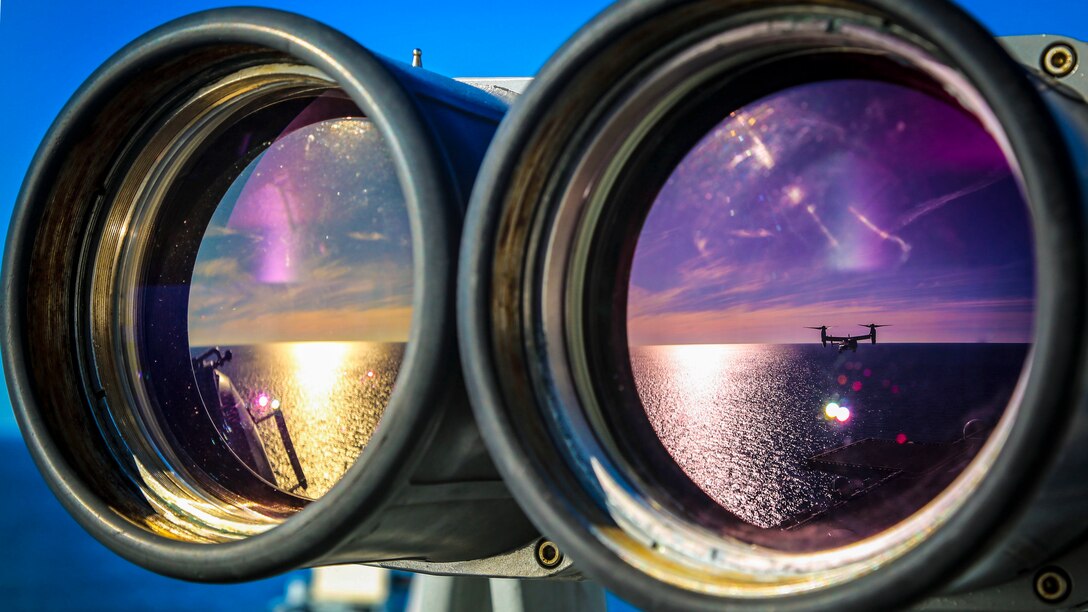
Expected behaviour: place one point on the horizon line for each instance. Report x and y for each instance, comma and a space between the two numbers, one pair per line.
860, 343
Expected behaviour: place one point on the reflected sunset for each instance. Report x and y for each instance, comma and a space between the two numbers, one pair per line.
304, 275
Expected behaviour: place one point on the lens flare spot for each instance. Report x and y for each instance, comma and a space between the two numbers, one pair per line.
834, 412
275, 404
842, 379
795, 194
901, 438
856, 386
370, 373
867, 373
262, 401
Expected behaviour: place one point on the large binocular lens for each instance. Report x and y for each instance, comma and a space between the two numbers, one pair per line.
782, 300
228, 314
305, 270
841, 200
281, 231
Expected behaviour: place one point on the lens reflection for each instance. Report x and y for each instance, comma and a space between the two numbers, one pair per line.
300, 303
884, 213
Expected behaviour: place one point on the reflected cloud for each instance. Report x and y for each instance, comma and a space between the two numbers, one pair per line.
311, 242
366, 236
217, 231
390, 324
224, 267
759, 233
849, 213
936, 203
903, 246
831, 240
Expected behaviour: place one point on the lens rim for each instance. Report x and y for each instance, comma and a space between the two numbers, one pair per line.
601, 290
433, 204
495, 335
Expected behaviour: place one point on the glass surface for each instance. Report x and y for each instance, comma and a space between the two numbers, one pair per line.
300, 303
888, 215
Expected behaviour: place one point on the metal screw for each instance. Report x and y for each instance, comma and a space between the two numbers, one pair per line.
1059, 60
547, 554
1052, 584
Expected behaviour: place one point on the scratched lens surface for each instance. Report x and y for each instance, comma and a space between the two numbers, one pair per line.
830, 304
304, 276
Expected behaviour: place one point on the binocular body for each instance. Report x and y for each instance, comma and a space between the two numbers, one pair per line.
272, 301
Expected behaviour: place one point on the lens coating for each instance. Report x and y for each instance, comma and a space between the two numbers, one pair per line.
300, 301
850, 204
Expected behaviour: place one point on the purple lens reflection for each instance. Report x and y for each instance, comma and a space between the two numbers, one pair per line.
842, 204
305, 275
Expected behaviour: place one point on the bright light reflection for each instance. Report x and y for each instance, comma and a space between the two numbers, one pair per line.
704, 367
795, 194
835, 412
317, 368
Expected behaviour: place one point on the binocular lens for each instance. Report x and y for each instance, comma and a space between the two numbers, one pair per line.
300, 301
857, 209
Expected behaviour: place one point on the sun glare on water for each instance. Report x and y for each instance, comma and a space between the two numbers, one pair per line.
317, 368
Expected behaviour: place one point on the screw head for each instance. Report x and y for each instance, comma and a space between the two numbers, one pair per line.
1059, 60
547, 554
1052, 584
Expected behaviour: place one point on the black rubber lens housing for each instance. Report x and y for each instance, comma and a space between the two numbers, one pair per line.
545, 263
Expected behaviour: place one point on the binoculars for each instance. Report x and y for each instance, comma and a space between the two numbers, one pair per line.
273, 301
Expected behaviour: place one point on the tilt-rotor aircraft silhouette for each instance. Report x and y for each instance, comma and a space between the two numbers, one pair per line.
847, 342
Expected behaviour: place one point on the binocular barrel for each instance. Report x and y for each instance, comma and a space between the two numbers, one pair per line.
229, 305
684, 189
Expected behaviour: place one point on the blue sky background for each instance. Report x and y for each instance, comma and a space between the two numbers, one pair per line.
47, 48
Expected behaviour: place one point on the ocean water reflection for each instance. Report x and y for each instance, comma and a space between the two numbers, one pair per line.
330, 395
742, 421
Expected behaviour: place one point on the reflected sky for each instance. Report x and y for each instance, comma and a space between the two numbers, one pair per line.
310, 243
837, 203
